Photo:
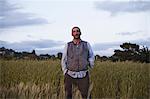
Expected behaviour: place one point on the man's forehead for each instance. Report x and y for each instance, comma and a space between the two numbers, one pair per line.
75, 28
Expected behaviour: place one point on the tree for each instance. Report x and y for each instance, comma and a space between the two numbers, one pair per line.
132, 52
97, 57
145, 54
129, 46
59, 55
33, 52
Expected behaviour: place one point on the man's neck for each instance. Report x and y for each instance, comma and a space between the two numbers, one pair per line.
76, 41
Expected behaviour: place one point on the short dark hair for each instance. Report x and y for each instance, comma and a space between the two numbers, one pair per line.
77, 28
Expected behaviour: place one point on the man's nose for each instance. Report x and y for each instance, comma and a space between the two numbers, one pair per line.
77, 32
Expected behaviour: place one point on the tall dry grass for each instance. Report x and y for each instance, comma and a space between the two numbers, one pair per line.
28, 79
125, 80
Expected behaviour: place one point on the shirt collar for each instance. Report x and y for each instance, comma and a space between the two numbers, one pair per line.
77, 41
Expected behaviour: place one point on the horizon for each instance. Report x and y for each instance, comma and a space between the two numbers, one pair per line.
140, 47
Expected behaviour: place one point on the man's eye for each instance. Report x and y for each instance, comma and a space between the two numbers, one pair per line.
76, 31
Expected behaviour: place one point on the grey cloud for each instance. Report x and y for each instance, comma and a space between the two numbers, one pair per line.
128, 33
30, 45
125, 33
142, 42
115, 7
49, 51
105, 46
10, 16
5, 7
116, 45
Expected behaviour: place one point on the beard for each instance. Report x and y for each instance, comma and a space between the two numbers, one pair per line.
77, 36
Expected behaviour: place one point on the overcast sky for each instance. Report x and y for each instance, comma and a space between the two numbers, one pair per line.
45, 25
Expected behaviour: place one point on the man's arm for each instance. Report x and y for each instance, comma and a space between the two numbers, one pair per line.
64, 59
91, 56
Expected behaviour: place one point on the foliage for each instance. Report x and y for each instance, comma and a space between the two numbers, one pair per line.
132, 52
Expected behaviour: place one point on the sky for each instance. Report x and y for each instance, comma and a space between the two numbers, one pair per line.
45, 25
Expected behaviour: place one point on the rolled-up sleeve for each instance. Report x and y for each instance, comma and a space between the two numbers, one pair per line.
64, 60
91, 56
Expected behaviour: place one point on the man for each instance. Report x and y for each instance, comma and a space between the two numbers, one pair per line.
77, 56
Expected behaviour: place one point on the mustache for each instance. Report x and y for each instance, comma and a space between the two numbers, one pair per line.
77, 34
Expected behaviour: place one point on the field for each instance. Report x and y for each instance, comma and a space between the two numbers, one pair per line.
32, 79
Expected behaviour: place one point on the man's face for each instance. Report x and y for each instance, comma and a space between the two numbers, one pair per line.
76, 33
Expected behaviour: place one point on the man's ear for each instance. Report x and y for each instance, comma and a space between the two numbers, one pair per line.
80, 33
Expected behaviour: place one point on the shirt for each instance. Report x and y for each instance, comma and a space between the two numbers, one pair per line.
74, 74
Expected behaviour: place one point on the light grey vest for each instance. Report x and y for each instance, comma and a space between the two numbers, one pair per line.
77, 56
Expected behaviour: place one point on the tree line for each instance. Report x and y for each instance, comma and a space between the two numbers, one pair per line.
128, 52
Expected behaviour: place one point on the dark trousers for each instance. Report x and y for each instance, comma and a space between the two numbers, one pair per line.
82, 84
